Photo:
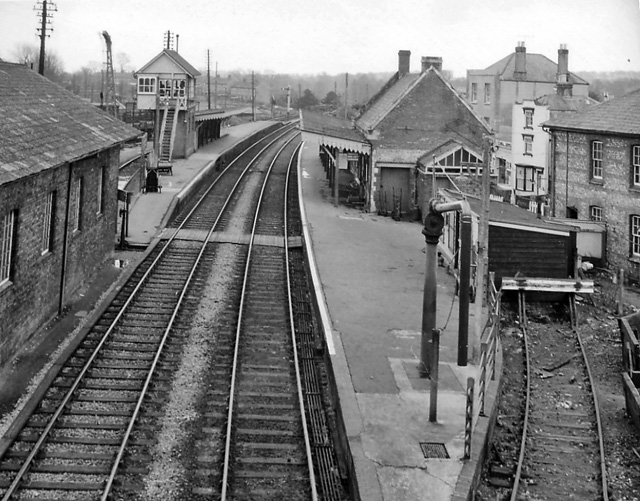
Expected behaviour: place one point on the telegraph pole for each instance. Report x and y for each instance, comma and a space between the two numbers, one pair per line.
253, 96
346, 90
45, 11
208, 81
215, 88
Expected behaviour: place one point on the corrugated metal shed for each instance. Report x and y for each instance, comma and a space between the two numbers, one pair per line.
43, 126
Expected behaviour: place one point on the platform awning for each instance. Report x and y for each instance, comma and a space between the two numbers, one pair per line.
336, 142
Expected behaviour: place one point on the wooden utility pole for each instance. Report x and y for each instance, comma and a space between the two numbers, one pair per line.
208, 80
483, 241
253, 96
215, 88
346, 94
45, 11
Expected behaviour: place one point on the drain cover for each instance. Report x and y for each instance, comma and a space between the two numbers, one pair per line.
434, 450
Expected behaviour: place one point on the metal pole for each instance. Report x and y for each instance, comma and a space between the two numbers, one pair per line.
433, 393
433, 224
465, 273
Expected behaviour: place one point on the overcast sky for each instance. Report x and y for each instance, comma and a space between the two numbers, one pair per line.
333, 36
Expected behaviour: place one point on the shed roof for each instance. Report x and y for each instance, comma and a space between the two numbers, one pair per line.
44, 126
176, 58
620, 115
506, 213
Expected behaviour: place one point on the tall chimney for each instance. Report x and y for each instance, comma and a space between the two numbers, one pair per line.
520, 71
428, 61
564, 87
404, 57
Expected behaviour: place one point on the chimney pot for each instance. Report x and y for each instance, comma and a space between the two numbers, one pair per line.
404, 59
428, 61
520, 70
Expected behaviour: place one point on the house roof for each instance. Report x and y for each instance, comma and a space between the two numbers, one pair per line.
176, 58
384, 101
620, 115
539, 69
556, 102
423, 115
44, 126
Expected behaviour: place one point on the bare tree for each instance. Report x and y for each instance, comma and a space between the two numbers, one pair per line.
123, 59
30, 55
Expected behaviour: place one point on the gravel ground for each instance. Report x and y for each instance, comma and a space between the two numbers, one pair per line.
598, 324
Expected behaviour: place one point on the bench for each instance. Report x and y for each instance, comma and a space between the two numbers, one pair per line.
151, 184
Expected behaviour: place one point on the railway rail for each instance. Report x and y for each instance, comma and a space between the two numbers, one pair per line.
180, 333
550, 447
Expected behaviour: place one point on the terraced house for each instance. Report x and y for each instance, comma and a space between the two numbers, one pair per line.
59, 159
595, 174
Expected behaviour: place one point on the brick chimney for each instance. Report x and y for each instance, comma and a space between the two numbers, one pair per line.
564, 87
404, 58
520, 71
428, 61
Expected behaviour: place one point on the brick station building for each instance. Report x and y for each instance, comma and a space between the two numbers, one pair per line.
59, 160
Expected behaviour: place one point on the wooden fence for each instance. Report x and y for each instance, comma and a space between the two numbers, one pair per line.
629, 327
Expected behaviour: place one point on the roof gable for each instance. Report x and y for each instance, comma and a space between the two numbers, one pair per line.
620, 115
168, 61
428, 114
44, 125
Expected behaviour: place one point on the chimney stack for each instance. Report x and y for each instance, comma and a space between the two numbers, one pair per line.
404, 57
428, 61
563, 85
520, 71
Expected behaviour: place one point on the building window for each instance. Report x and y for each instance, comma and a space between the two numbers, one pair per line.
596, 159
487, 93
48, 221
7, 228
635, 235
528, 144
595, 212
528, 118
525, 178
179, 88
77, 198
164, 88
146, 85
474, 92
635, 165
100, 192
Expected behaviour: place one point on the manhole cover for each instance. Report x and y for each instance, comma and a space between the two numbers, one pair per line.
434, 450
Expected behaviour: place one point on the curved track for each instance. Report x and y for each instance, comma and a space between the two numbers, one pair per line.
92, 435
561, 454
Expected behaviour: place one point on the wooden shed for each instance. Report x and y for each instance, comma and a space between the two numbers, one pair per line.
520, 242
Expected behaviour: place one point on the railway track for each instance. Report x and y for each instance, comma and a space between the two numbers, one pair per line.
551, 446
139, 411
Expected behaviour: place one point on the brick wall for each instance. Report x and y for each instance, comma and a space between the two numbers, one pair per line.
614, 193
32, 297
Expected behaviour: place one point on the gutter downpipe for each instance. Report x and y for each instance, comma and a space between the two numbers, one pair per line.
433, 225
65, 239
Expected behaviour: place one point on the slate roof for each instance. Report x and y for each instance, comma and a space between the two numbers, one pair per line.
43, 126
620, 115
177, 59
385, 100
556, 102
328, 125
437, 115
539, 69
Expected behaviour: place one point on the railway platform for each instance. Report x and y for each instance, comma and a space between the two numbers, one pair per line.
370, 273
